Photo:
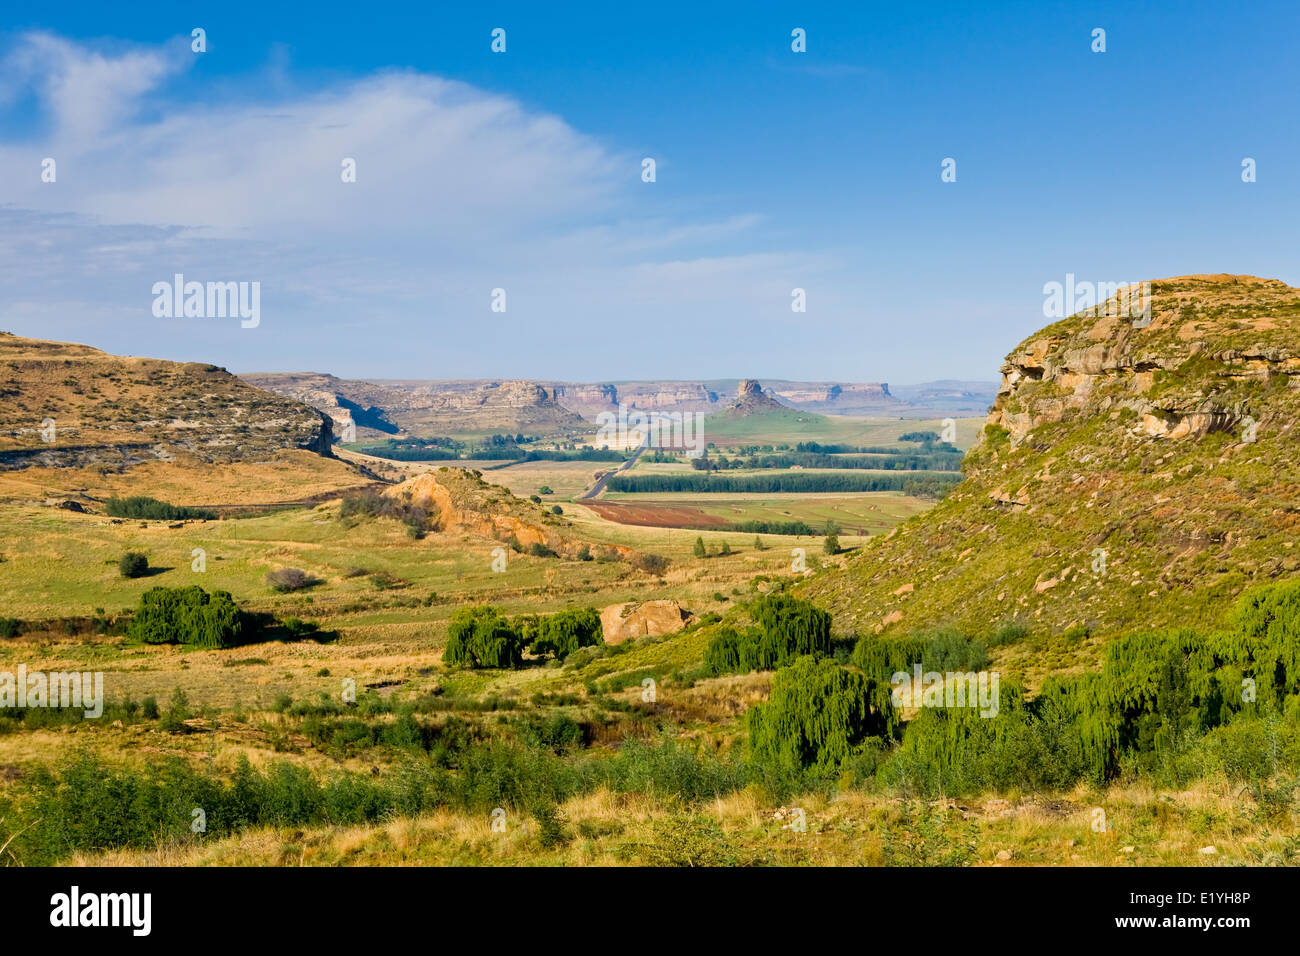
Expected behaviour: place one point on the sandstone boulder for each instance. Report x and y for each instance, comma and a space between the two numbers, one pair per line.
620, 622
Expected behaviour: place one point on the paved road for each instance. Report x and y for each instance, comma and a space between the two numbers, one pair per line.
599, 486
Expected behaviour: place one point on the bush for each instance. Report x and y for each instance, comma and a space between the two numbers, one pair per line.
10, 626
284, 580
650, 563
187, 616
133, 564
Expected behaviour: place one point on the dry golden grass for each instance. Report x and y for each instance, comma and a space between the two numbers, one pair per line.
849, 829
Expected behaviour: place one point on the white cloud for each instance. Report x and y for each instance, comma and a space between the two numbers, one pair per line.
458, 191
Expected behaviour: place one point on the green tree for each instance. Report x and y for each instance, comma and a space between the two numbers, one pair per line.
817, 716
699, 548
831, 545
562, 633
187, 616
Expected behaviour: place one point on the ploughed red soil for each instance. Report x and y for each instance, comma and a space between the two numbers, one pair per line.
655, 516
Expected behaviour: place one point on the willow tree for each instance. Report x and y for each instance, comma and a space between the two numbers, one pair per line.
817, 715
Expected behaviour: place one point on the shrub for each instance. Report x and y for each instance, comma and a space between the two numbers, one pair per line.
10, 626
284, 580
650, 563
556, 510
699, 548
133, 564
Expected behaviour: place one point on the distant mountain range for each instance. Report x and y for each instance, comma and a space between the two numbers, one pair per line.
429, 407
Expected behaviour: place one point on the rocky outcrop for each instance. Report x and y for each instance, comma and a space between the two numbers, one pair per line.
1107, 364
622, 622
1135, 471
461, 502
751, 400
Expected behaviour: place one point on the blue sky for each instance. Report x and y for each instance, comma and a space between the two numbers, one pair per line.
521, 171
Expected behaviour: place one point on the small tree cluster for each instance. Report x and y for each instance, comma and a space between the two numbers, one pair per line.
483, 637
785, 628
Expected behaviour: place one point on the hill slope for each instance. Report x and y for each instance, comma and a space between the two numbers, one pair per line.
1127, 476
110, 409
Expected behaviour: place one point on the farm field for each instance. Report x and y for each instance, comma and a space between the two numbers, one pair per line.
856, 514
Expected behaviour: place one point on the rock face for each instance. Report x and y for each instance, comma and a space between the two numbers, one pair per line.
838, 398
751, 400
69, 406
1131, 473
621, 622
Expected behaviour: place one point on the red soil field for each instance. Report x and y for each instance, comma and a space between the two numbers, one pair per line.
655, 516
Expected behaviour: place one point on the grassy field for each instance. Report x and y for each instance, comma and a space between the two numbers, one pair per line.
852, 829
791, 427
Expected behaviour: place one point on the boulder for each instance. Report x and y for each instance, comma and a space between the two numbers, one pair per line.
621, 622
